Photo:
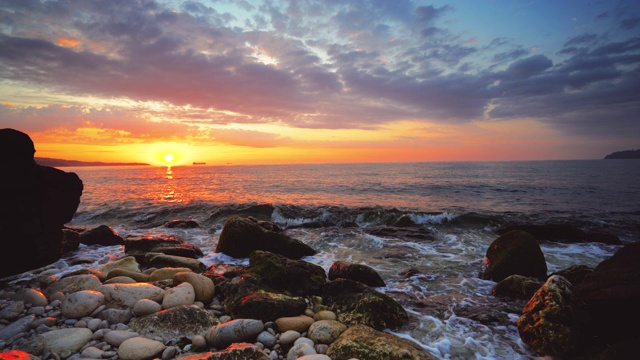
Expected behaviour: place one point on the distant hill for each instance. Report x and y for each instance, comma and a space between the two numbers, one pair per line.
626, 154
60, 162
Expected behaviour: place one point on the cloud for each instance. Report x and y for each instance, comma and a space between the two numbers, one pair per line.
332, 64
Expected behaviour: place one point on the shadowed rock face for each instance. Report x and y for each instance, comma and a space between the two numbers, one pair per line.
36, 203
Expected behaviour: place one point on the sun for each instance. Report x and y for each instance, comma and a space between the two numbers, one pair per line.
168, 157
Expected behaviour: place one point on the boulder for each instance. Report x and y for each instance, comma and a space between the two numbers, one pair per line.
356, 272
575, 274
516, 287
36, 203
241, 236
564, 233
363, 342
174, 323
102, 235
139, 245
357, 303
295, 277
545, 324
605, 304
514, 253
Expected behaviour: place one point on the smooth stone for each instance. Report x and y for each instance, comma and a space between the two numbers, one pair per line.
199, 341
204, 287
300, 350
166, 273
135, 275
239, 330
298, 323
12, 310
21, 325
304, 340
68, 339
140, 348
324, 315
288, 337
318, 357
169, 353
71, 284
120, 280
116, 337
30, 296
126, 295
145, 307
326, 331
267, 339
92, 353
81, 303
182, 294
116, 316
127, 263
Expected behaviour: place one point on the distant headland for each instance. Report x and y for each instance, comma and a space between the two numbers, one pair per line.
59, 162
626, 154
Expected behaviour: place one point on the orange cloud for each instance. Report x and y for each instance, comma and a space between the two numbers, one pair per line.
67, 42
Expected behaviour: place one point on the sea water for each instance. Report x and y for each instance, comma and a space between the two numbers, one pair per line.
336, 208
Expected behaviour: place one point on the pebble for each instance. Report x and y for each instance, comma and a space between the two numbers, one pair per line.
140, 348
288, 337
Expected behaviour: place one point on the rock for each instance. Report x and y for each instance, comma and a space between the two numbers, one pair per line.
72, 284
91, 352
116, 337
356, 272
267, 339
516, 287
159, 260
295, 277
514, 253
135, 275
265, 306
30, 296
174, 323
182, 294
140, 348
409, 234
203, 286
241, 236
324, 315
299, 323
605, 304
21, 325
13, 310
120, 280
300, 350
138, 246
126, 295
36, 203
363, 342
102, 235
239, 351
127, 263
81, 303
69, 339
182, 224
116, 316
357, 303
326, 331
575, 274
288, 337
314, 357
144, 307
166, 273
545, 324
234, 331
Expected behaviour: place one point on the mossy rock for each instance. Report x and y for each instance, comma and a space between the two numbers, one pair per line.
364, 342
514, 253
266, 306
295, 277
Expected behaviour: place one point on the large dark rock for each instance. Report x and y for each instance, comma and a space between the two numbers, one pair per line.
356, 303
288, 276
545, 324
356, 272
605, 304
514, 253
37, 202
241, 236
139, 245
102, 235
516, 287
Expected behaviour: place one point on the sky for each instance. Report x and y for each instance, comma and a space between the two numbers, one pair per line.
321, 81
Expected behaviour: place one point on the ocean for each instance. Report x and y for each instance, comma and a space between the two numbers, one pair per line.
347, 212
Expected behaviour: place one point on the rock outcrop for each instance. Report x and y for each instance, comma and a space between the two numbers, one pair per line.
514, 253
37, 202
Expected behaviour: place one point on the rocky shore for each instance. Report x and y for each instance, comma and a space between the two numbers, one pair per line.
160, 301
153, 303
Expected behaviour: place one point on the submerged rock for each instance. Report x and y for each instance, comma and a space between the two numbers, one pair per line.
241, 236
356, 272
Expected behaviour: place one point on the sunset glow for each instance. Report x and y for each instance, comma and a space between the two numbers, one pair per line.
313, 82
